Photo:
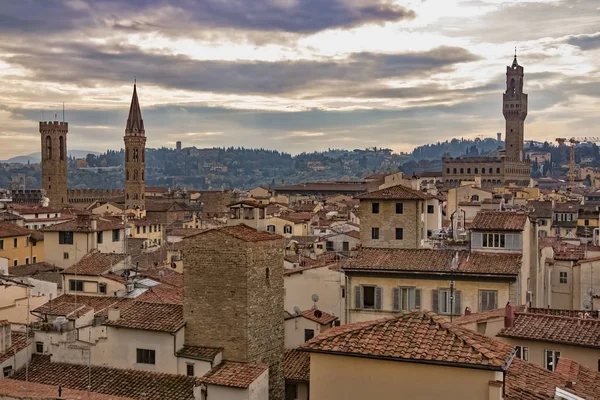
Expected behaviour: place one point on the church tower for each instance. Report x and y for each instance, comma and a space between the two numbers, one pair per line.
54, 161
135, 158
515, 111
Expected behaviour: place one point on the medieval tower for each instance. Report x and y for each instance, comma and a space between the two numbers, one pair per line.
54, 161
514, 108
135, 158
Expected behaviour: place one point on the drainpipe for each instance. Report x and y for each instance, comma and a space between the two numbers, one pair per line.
175, 351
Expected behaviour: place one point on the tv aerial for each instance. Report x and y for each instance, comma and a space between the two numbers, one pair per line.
297, 310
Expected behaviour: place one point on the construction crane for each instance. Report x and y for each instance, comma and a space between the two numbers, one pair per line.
574, 141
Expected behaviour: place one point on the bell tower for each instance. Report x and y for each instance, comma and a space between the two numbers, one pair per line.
135, 156
514, 108
54, 161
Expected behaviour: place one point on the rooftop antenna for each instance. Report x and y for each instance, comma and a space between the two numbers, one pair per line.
63, 111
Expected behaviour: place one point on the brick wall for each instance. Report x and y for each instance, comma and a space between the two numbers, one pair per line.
230, 303
387, 221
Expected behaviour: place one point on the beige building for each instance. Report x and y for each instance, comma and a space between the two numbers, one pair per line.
70, 241
19, 245
96, 274
384, 282
471, 194
398, 217
296, 366
248, 212
149, 229
302, 326
541, 213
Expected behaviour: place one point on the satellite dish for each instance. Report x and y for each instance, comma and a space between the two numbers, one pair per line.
587, 305
297, 310
318, 313
315, 298
591, 291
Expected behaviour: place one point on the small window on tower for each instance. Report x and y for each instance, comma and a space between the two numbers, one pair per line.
48, 147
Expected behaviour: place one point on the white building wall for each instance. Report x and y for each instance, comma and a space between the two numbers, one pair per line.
259, 389
294, 331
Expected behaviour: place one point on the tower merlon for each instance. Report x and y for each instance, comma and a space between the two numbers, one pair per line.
53, 125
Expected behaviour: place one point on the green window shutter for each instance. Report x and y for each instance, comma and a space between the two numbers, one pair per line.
457, 302
378, 297
411, 299
435, 301
494, 300
396, 305
358, 297
417, 298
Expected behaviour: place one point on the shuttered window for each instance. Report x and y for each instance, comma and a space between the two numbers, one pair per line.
441, 302
368, 297
488, 300
406, 298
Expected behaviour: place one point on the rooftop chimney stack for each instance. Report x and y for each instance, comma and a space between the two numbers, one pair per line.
114, 314
509, 316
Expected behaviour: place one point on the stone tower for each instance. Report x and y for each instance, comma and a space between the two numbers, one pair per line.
515, 111
233, 297
135, 156
54, 161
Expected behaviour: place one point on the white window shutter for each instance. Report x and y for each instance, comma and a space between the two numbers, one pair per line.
411, 299
378, 297
396, 302
457, 302
476, 240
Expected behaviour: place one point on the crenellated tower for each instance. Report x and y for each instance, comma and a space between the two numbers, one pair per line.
54, 161
514, 108
135, 156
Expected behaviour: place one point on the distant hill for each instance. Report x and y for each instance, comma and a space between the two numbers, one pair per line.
35, 157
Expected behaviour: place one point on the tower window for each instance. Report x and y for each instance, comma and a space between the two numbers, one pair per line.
462, 170
135, 175
48, 148
468, 170
491, 171
454, 170
476, 170
61, 147
127, 175
135, 155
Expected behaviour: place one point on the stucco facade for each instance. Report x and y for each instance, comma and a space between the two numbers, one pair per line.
365, 378
65, 255
20, 250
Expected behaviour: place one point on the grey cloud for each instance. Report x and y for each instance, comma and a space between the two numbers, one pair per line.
88, 65
585, 42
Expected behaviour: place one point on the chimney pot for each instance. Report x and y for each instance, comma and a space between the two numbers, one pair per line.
114, 314
509, 316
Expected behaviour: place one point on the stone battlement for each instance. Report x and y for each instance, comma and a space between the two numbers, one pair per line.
91, 195
472, 160
53, 126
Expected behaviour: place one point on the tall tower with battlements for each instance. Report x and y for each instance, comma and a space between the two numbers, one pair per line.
54, 161
135, 156
514, 108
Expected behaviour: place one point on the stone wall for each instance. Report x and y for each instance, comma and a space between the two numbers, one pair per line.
387, 221
53, 137
217, 202
233, 299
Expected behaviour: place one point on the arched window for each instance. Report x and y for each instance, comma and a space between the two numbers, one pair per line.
48, 148
135, 196
476, 170
127, 196
491, 171
135, 155
513, 88
447, 170
468, 170
462, 170
483, 170
454, 170
143, 156
127, 175
61, 147
497, 170
135, 175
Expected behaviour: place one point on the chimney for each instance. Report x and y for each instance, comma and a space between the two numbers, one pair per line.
495, 390
509, 316
114, 314
468, 310
94, 224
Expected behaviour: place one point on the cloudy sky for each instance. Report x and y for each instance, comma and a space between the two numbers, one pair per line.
294, 75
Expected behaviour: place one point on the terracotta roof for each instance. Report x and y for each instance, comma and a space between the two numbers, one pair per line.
32, 269
417, 336
555, 329
233, 374
95, 263
199, 353
161, 317
163, 293
66, 303
20, 390
8, 230
526, 381
164, 275
245, 233
83, 225
112, 381
426, 260
184, 232
586, 381
18, 343
324, 187
568, 206
397, 192
250, 203
152, 259
296, 365
324, 319
483, 316
499, 221
297, 217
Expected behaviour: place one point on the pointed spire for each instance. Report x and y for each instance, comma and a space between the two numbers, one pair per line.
515, 63
135, 123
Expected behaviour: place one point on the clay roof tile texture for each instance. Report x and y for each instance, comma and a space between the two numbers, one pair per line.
95, 263
398, 192
233, 374
161, 317
296, 365
499, 221
199, 353
417, 336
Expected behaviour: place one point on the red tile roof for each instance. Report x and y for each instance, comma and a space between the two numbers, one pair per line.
32, 269
525, 381
19, 390
67, 303
95, 263
85, 225
161, 317
9, 230
18, 343
499, 221
181, 232
398, 192
296, 365
586, 381
135, 384
425, 260
233, 374
324, 187
163, 293
483, 316
555, 329
297, 217
245, 233
419, 337
199, 353
324, 319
